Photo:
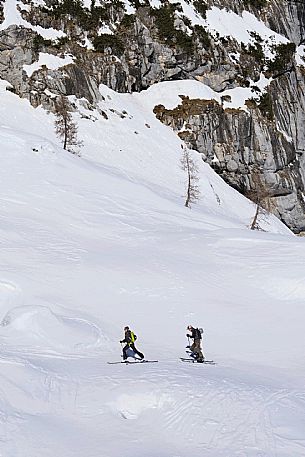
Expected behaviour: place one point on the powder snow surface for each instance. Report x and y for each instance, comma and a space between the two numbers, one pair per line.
90, 244
93, 243
50, 61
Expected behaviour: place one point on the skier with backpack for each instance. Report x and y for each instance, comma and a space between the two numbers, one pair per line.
130, 339
195, 348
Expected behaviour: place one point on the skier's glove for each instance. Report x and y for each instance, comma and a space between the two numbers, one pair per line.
121, 341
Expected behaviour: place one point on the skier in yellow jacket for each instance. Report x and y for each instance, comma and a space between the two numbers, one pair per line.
129, 339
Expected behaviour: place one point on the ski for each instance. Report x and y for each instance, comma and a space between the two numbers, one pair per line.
127, 362
207, 362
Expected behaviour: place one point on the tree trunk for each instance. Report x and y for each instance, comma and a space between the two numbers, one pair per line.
188, 194
65, 133
254, 222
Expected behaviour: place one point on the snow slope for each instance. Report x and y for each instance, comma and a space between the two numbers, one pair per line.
92, 243
12, 16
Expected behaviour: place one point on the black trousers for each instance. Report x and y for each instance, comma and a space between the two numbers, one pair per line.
196, 349
132, 346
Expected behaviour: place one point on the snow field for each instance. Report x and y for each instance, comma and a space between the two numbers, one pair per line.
91, 244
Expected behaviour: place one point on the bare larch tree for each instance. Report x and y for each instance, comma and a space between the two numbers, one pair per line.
65, 127
189, 166
261, 196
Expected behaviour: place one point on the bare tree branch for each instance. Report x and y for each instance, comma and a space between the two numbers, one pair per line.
261, 196
188, 165
65, 127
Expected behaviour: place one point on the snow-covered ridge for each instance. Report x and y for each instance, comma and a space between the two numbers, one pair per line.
222, 22
300, 55
228, 23
50, 61
168, 93
12, 16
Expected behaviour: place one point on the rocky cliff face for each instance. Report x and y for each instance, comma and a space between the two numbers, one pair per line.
259, 145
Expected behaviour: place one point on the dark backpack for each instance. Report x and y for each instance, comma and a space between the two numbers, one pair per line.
198, 332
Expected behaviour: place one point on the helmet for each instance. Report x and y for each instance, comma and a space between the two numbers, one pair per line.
189, 327
126, 328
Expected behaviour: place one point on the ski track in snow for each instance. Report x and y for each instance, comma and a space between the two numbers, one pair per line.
200, 409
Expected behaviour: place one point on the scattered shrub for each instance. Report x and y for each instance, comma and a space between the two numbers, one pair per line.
203, 36
265, 106
201, 8
283, 55
256, 3
88, 19
106, 40
256, 51
128, 21
165, 22
39, 43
